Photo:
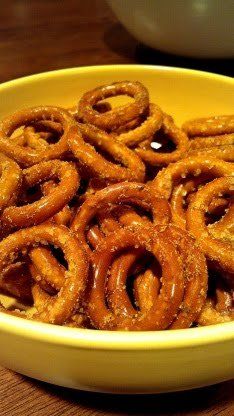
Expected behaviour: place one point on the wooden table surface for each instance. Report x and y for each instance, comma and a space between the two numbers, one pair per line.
38, 36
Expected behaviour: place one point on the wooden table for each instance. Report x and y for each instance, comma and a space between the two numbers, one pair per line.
38, 36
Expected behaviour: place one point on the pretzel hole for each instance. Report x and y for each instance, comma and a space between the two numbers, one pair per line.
162, 143
29, 195
59, 255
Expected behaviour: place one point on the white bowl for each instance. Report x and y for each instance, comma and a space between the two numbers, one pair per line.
196, 28
109, 361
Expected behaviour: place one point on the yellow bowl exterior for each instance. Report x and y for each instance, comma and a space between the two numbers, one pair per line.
143, 362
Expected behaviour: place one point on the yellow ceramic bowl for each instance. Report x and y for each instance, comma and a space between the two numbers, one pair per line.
117, 361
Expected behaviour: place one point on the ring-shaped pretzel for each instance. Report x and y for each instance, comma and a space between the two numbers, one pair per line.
49, 205
180, 139
145, 130
225, 153
171, 294
147, 287
10, 181
199, 143
119, 115
26, 156
118, 194
220, 249
209, 126
95, 163
177, 172
60, 307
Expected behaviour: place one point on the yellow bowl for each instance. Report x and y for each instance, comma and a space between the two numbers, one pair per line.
143, 362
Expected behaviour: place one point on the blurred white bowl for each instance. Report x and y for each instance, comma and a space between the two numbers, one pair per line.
196, 28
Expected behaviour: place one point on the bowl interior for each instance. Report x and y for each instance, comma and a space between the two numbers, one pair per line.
182, 93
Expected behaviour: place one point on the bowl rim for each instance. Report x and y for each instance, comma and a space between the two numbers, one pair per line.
115, 340
105, 68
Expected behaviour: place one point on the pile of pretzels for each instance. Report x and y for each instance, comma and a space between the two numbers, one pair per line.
114, 218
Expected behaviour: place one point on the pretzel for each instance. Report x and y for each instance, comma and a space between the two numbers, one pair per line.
10, 181
178, 137
26, 156
118, 194
95, 163
119, 115
176, 173
166, 304
148, 285
217, 249
59, 308
49, 205
209, 126
145, 130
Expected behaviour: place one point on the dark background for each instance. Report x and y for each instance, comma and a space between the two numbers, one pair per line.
42, 35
